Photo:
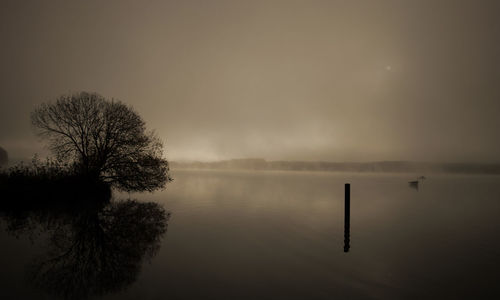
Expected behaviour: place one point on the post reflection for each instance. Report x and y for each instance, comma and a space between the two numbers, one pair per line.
347, 217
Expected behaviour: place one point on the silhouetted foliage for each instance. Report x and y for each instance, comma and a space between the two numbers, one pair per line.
40, 184
104, 140
4, 157
92, 251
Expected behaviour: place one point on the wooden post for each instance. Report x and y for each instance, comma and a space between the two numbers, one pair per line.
347, 217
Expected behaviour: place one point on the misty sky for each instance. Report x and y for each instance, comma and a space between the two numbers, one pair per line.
295, 80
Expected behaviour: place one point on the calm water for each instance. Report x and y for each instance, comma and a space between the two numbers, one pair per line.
280, 235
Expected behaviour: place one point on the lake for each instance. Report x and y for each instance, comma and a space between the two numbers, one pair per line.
280, 235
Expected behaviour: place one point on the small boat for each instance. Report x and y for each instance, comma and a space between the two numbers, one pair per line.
421, 178
413, 184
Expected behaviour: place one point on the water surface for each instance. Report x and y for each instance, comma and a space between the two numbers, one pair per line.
280, 235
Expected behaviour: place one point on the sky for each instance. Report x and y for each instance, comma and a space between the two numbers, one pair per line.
280, 80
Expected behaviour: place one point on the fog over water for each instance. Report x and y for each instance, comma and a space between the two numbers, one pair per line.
280, 80
265, 235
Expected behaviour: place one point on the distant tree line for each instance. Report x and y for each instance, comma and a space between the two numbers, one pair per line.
381, 166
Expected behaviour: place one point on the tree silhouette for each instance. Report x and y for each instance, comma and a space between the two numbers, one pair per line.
103, 140
4, 158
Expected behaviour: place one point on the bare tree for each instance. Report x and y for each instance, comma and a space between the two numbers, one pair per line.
104, 140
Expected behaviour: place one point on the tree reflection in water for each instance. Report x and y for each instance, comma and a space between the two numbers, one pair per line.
93, 250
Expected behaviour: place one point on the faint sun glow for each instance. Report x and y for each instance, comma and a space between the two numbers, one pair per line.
388, 68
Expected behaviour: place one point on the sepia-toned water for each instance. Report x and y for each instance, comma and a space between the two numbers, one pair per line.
280, 235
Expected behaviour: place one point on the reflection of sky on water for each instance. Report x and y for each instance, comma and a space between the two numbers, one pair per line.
280, 235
